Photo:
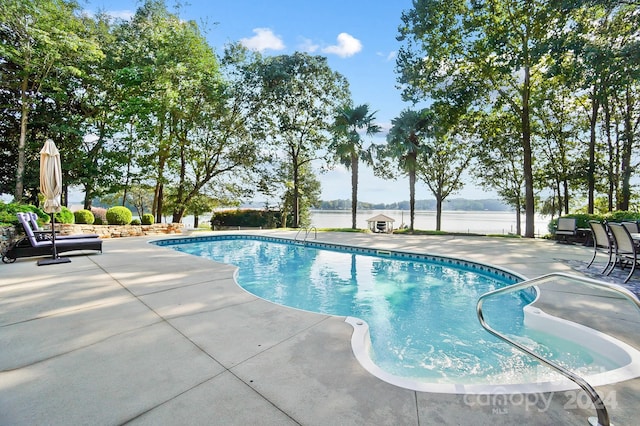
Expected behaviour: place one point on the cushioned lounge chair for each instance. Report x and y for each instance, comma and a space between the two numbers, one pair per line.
31, 220
30, 246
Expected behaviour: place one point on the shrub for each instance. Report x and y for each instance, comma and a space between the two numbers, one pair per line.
84, 216
8, 213
119, 215
147, 219
100, 215
248, 218
65, 216
135, 222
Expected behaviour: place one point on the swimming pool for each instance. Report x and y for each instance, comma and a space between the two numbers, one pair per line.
413, 315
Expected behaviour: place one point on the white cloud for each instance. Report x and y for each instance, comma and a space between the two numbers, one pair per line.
264, 39
347, 46
307, 45
388, 56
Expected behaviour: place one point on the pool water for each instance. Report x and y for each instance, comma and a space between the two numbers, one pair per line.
421, 313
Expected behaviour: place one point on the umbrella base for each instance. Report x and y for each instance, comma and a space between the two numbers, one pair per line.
53, 261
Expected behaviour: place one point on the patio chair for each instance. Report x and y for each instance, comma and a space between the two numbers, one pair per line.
30, 246
30, 220
626, 252
567, 226
632, 227
601, 242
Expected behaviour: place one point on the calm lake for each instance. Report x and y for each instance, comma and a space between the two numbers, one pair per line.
481, 222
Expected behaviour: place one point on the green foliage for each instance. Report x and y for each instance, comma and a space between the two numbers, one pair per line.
582, 219
99, 221
65, 216
84, 216
622, 216
247, 218
136, 222
8, 213
119, 215
147, 219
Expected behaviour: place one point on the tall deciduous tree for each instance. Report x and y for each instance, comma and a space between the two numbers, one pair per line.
348, 145
296, 97
39, 38
448, 157
481, 53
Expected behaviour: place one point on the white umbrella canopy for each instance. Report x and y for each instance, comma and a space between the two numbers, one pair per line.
50, 177
51, 188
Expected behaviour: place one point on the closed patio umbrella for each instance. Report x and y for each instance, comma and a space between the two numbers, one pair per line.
51, 188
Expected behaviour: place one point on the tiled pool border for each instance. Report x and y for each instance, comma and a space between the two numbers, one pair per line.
499, 273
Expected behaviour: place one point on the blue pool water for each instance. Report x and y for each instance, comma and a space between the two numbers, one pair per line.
420, 311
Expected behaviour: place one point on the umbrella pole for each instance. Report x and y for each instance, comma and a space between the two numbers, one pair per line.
54, 259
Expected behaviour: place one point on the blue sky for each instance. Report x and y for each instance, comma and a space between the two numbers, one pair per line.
357, 37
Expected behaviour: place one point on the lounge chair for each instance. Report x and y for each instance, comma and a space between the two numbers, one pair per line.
626, 252
601, 242
30, 220
567, 226
30, 246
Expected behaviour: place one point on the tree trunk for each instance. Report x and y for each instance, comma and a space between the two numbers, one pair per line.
528, 160
627, 147
412, 197
296, 196
22, 144
438, 212
591, 167
354, 189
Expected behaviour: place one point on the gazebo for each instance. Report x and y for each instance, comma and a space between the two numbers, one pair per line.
380, 223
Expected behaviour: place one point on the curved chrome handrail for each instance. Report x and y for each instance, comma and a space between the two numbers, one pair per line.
603, 415
307, 231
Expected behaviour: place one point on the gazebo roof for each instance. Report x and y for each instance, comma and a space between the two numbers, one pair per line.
381, 218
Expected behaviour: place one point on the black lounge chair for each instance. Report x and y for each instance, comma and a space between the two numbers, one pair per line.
30, 220
30, 246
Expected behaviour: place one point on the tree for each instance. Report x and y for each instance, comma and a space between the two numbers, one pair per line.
481, 54
40, 39
348, 144
406, 150
442, 169
295, 99
499, 160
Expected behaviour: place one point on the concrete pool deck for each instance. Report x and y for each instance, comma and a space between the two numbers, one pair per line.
146, 335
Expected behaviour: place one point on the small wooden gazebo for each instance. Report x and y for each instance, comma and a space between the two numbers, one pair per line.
380, 223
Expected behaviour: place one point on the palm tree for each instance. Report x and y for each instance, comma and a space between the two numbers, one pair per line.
348, 146
404, 146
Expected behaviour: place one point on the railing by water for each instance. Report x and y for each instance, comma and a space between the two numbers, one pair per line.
307, 231
603, 416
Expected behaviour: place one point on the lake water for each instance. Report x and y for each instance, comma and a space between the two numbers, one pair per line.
481, 222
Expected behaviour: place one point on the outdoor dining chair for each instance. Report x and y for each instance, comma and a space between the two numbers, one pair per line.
601, 242
626, 252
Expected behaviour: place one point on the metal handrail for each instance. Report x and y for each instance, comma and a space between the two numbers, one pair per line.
313, 228
307, 231
603, 416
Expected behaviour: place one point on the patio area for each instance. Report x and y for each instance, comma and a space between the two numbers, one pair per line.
143, 334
